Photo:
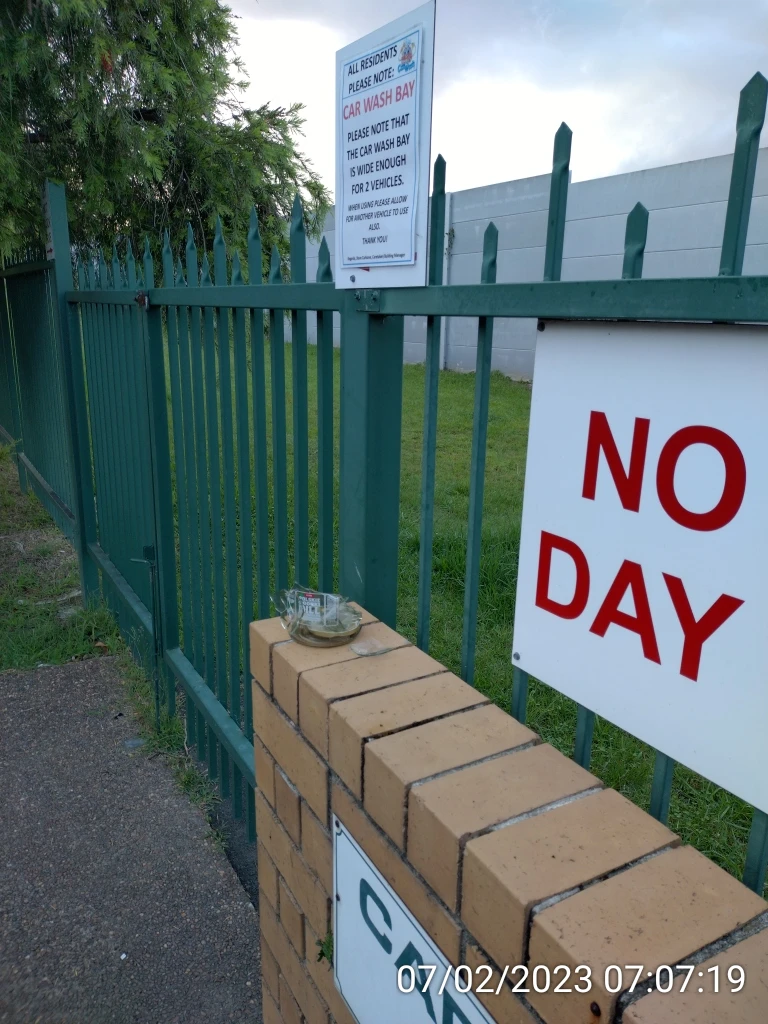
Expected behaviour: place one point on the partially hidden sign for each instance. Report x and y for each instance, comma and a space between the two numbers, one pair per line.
385, 965
643, 582
383, 129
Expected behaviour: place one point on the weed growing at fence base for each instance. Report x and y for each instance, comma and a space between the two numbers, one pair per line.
17, 511
40, 609
43, 622
167, 740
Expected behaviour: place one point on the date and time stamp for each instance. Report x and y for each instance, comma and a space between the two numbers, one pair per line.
615, 978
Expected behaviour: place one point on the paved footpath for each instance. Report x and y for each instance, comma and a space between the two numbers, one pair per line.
115, 905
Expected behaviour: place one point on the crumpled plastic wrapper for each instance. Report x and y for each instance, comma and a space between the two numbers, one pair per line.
324, 620
317, 619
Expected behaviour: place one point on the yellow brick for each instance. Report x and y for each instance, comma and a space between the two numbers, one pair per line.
269, 969
292, 919
286, 745
289, 1008
267, 876
265, 770
694, 1006
505, 1007
316, 847
322, 686
321, 973
264, 634
291, 660
306, 889
301, 985
270, 1012
294, 658
438, 924
444, 813
658, 912
394, 763
287, 805
508, 871
352, 722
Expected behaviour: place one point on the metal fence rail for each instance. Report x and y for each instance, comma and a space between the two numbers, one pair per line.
198, 492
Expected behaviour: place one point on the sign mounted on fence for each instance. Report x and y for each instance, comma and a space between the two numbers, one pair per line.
383, 131
644, 552
384, 964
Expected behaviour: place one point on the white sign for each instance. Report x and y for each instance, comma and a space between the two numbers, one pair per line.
383, 129
376, 941
643, 583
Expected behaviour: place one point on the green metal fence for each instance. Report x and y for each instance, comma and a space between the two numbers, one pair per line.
10, 428
198, 493
118, 413
30, 364
184, 443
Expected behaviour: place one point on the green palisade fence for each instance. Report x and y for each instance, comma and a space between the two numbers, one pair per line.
200, 452
31, 365
10, 429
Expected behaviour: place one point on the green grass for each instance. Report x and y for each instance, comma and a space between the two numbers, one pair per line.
505, 468
17, 511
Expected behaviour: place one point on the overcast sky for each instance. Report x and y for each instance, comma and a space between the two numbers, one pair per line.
641, 82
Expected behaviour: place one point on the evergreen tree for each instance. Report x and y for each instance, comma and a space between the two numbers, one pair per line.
135, 105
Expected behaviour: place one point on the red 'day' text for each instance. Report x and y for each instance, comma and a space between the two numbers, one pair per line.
629, 578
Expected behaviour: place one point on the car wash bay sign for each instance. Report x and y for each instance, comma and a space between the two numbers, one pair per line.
377, 940
383, 130
643, 583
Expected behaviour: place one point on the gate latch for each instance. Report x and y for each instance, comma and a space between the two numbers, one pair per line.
142, 298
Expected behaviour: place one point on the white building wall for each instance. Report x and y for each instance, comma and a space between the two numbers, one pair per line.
686, 204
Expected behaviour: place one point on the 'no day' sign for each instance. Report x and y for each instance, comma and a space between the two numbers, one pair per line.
643, 583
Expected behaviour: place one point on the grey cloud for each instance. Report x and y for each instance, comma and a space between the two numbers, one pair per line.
674, 66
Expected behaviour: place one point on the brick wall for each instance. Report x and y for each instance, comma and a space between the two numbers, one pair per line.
506, 851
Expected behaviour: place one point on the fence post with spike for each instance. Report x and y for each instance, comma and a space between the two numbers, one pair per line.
167, 617
76, 415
